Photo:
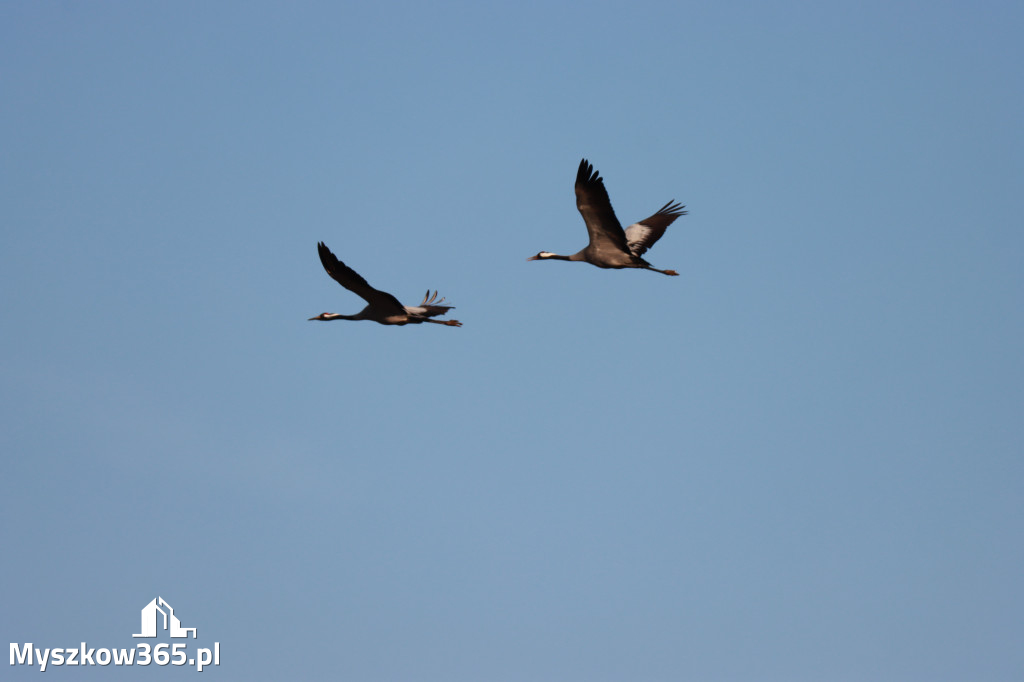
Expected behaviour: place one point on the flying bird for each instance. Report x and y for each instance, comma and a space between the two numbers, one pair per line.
382, 307
610, 246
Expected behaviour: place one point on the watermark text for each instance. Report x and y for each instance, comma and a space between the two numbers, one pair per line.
141, 654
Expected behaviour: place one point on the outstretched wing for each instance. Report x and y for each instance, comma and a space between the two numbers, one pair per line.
596, 208
430, 307
642, 235
351, 280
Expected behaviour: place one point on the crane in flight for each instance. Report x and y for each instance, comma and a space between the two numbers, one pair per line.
381, 306
610, 246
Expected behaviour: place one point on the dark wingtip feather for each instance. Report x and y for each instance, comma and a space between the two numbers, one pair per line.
326, 257
586, 173
673, 208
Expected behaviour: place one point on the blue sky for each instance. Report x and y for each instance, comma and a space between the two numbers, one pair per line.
799, 460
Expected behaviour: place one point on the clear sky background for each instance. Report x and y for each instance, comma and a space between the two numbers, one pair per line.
799, 460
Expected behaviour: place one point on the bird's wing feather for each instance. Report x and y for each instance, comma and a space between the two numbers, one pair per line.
430, 307
428, 310
596, 208
351, 280
642, 235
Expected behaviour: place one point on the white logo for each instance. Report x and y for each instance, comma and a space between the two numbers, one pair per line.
149, 620
143, 653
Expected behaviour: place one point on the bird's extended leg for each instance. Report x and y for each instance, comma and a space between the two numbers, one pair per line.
671, 273
450, 323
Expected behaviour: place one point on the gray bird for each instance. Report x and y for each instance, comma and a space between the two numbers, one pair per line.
383, 307
610, 246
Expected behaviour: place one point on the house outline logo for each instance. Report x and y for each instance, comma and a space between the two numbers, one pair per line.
149, 620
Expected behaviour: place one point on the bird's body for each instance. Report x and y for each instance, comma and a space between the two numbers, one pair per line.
382, 307
610, 246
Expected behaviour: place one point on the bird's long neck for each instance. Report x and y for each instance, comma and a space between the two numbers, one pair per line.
555, 256
327, 317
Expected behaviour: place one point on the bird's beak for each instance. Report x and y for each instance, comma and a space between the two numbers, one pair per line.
533, 258
313, 318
